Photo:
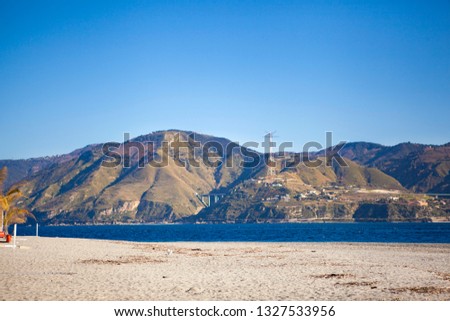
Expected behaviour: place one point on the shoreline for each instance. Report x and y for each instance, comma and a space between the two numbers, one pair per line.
86, 269
23, 237
249, 223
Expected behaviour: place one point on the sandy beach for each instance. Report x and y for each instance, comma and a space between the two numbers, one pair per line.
79, 269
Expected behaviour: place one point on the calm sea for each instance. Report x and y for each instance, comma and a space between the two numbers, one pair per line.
286, 232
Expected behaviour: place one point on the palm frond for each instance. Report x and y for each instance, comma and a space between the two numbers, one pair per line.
3, 176
4, 204
13, 194
17, 216
12, 191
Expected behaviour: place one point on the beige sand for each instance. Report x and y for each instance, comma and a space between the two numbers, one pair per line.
76, 269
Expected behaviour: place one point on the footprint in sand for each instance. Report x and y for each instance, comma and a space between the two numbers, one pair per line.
195, 290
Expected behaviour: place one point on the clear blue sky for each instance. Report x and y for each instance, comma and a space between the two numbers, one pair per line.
79, 72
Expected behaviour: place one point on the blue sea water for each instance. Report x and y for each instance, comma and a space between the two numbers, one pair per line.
285, 232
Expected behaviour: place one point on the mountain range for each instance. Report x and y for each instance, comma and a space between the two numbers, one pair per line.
419, 168
78, 188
